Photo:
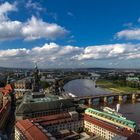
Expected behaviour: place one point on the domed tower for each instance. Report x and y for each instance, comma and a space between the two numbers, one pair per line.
36, 79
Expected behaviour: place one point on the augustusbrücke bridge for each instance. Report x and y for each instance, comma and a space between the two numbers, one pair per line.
106, 97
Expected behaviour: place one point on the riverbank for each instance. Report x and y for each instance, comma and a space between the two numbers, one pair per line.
115, 88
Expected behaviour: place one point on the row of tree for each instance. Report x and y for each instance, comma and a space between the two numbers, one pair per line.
122, 81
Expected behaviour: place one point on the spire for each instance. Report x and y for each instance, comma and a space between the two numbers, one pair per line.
8, 79
36, 65
36, 79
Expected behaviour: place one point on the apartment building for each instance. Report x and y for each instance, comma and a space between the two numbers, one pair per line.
54, 123
44, 128
104, 129
112, 119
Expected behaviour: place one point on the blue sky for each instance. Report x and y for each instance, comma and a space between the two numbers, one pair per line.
70, 33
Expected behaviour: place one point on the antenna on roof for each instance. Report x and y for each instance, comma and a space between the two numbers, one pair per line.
8, 80
35, 64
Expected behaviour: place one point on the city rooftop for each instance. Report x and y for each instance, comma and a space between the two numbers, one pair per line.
112, 117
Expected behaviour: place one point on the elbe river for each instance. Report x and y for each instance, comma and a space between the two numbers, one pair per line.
84, 87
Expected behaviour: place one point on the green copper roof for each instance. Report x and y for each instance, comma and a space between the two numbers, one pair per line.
31, 105
111, 117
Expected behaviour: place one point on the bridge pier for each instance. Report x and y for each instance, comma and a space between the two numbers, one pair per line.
90, 101
125, 98
133, 96
95, 101
105, 99
120, 98
110, 99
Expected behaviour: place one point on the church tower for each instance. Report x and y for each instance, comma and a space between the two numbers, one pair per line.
36, 79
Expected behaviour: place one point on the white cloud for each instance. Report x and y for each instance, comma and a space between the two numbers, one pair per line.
69, 50
33, 5
129, 24
48, 55
21, 52
138, 19
46, 48
10, 30
54, 55
70, 14
110, 51
36, 29
130, 34
31, 29
6, 7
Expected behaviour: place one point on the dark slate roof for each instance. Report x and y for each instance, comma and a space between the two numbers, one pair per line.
28, 107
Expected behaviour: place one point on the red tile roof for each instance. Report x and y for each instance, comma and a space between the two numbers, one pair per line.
30, 130
107, 126
7, 89
52, 119
4, 109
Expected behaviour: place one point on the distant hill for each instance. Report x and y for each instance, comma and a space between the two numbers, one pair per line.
69, 69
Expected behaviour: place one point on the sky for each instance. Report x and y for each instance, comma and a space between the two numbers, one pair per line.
70, 33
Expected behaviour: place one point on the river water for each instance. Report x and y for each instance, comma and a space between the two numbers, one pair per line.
131, 111
84, 87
